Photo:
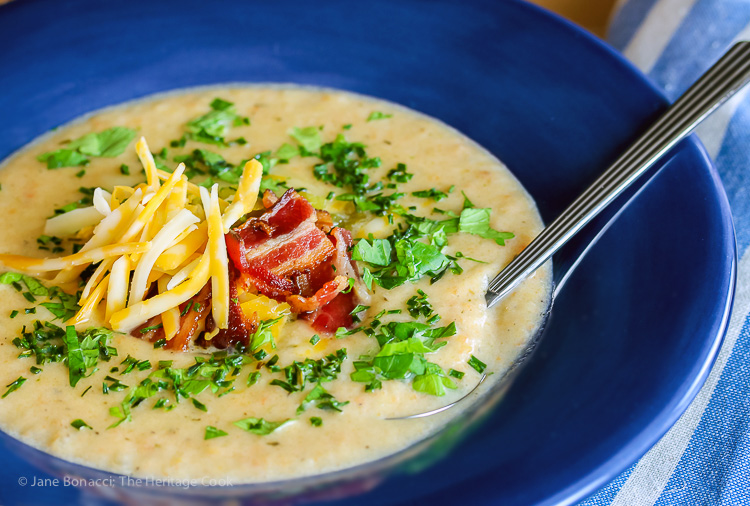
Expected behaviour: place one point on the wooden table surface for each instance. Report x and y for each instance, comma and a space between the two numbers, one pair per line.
590, 14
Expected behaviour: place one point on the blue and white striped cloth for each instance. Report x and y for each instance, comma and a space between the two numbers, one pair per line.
705, 458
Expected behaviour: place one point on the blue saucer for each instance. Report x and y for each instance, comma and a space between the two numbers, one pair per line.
636, 326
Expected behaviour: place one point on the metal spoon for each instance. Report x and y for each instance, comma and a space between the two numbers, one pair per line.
725, 78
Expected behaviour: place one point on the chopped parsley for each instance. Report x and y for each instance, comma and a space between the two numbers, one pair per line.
455, 374
418, 305
375, 115
146, 330
61, 304
63, 158
259, 426
477, 221
80, 424
432, 193
263, 335
403, 346
316, 421
298, 374
216, 373
47, 243
83, 351
415, 248
85, 201
253, 378
308, 139
108, 143
212, 127
287, 152
213, 432
477, 364
399, 174
322, 399
344, 165
131, 363
15, 385
115, 385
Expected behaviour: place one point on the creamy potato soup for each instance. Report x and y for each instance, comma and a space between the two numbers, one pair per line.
251, 282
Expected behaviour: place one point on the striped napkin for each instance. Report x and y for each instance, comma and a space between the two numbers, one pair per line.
705, 458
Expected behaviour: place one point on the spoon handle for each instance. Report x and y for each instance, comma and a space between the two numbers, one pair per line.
725, 78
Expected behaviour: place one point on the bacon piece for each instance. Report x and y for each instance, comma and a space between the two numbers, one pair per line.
323, 221
262, 279
333, 315
239, 326
152, 334
282, 252
322, 297
269, 199
193, 321
286, 254
343, 264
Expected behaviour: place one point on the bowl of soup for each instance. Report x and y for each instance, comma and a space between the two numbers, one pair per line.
409, 161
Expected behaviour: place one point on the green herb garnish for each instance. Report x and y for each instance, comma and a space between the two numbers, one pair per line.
320, 398
108, 144
375, 115
80, 424
15, 385
308, 139
477, 364
212, 127
213, 432
260, 426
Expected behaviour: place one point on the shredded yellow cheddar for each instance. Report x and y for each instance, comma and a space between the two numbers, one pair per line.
167, 233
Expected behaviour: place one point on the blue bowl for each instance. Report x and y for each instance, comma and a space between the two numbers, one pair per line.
635, 326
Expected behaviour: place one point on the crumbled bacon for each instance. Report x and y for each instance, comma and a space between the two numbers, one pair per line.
193, 321
333, 315
291, 253
240, 326
269, 199
324, 221
287, 254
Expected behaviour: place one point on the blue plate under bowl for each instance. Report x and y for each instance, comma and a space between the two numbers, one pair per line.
635, 327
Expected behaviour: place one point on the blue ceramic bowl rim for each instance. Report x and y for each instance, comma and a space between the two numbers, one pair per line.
651, 433
634, 449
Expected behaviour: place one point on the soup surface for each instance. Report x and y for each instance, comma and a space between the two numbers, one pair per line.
195, 436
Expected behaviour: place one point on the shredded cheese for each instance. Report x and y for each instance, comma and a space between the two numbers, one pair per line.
217, 249
167, 233
170, 318
67, 224
117, 290
35, 266
147, 160
246, 196
161, 241
137, 314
